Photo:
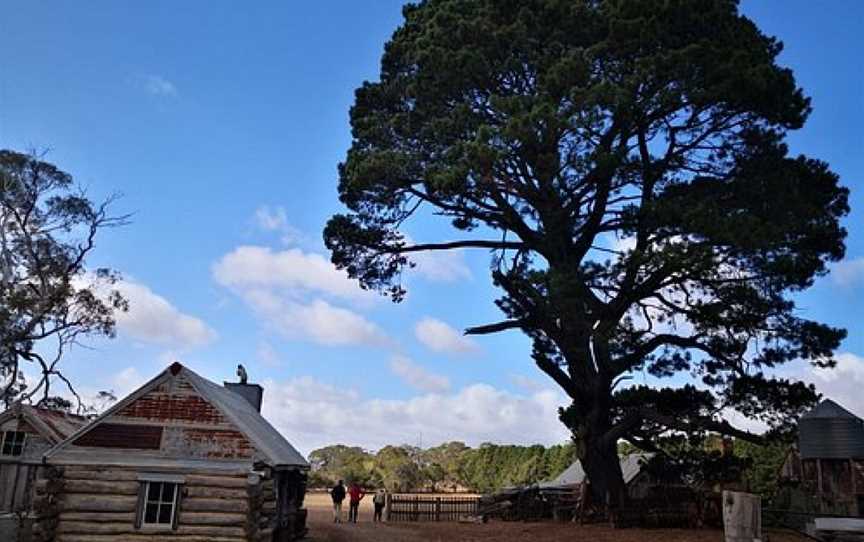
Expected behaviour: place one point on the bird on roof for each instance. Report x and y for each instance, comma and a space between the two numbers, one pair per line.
241, 372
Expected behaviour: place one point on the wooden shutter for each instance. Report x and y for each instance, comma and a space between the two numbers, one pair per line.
178, 489
139, 512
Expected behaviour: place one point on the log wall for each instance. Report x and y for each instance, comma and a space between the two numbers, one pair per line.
91, 504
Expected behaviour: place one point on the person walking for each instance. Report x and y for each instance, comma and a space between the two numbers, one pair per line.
378, 501
338, 495
355, 494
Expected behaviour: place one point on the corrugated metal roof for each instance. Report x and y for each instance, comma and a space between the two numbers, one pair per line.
631, 466
829, 409
829, 431
54, 425
276, 450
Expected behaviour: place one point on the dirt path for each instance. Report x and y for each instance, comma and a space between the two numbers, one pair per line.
322, 529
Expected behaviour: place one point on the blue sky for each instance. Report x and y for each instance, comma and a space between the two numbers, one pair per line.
222, 125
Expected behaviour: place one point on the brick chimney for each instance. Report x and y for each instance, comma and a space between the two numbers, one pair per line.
253, 393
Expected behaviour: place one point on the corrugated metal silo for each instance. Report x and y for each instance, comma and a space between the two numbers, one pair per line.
829, 431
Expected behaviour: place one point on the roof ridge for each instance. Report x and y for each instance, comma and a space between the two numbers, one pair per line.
828, 408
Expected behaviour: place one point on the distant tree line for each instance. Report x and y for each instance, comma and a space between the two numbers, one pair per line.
454, 466
448, 467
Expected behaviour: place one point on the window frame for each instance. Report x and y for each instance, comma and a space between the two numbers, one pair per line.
4, 440
146, 483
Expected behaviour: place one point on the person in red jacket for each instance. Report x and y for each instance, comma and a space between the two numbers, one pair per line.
355, 495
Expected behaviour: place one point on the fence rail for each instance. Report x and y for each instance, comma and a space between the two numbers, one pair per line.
429, 508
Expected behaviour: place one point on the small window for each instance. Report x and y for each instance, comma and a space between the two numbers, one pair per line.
160, 504
13, 443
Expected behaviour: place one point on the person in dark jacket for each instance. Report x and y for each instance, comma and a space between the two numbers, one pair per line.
338, 495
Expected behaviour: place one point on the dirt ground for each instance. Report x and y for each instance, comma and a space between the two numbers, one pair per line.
322, 529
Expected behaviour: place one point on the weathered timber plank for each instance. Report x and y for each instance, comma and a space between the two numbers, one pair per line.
89, 473
88, 528
146, 538
100, 517
98, 503
101, 487
215, 492
216, 481
211, 518
214, 505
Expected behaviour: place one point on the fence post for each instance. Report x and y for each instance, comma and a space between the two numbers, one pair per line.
387, 506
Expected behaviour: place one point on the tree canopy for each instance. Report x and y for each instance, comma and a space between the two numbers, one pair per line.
450, 465
49, 299
625, 163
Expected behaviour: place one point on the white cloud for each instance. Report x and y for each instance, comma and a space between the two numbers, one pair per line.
312, 414
126, 381
843, 383
292, 271
155, 85
318, 321
848, 272
268, 355
441, 266
528, 384
284, 288
440, 337
152, 318
416, 376
275, 219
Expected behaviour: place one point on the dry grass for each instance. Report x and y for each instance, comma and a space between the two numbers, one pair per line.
322, 528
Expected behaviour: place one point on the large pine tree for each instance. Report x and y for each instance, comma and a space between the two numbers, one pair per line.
625, 163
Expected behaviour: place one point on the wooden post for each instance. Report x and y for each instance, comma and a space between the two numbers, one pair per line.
438, 509
387, 506
742, 516
819, 484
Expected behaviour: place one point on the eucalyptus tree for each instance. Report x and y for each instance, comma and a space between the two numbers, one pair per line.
49, 299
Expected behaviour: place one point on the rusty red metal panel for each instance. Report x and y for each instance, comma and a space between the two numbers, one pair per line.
167, 407
116, 435
219, 443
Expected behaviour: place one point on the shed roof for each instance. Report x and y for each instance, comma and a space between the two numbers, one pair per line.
54, 425
631, 466
274, 448
828, 409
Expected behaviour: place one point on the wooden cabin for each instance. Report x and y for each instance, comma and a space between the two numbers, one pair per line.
181, 458
828, 463
26, 433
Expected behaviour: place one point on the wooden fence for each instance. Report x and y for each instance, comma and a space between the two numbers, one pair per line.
429, 508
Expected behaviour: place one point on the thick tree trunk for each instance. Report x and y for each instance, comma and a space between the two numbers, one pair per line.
603, 471
599, 457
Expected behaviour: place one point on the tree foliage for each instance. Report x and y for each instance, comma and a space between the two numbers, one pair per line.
442, 468
48, 298
624, 162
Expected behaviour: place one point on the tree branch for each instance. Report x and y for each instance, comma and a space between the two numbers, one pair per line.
494, 328
635, 418
478, 243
